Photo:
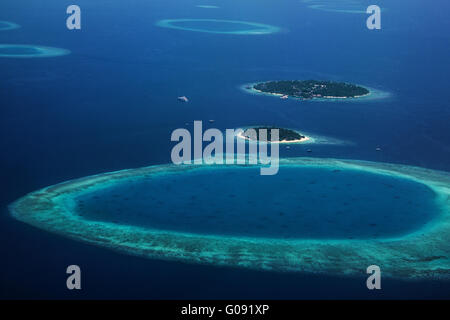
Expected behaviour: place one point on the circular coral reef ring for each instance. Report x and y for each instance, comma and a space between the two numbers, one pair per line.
30, 51
248, 28
423, 253
6, 25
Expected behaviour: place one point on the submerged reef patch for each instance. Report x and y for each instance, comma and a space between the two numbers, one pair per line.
218, 26
345, 6
419, 254
204, 6
7, 25
30, 51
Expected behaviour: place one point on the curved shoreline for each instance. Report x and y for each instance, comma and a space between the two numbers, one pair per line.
421, 254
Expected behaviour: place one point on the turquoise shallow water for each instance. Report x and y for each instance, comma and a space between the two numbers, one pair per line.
298, 202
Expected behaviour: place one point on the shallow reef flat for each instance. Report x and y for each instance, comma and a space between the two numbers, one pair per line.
218, 26
23, 51
419, 254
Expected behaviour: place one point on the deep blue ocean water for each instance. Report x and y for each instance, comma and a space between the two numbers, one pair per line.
111, 105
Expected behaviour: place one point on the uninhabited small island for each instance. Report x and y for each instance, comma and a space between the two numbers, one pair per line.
310, 89
284, 135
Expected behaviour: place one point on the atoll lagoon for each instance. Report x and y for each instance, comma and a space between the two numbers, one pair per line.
317, 215
6, 25
218, 26
30, 51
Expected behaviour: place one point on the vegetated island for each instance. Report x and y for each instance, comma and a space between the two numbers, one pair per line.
310, 89
284, 135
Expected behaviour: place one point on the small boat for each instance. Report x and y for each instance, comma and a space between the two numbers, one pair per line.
211, 121
378, 149
183, 99
284, 97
